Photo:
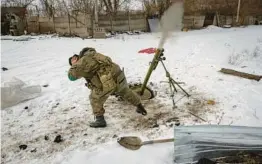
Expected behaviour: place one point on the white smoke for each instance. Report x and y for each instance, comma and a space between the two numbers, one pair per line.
172, 20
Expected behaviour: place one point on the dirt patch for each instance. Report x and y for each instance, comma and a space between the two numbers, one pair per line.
193, 109
243, 157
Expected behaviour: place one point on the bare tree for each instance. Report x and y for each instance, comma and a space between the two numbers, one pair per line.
33, 10
20, 3
48, 7
156, 7
84, 6
113, 6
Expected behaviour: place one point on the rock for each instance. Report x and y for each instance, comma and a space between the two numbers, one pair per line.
177, 123
23, 147
152, 84
34, 150
4, 69
3, 155
195, 120
155, 125
46, 138
172, 119
26, 107
58, 139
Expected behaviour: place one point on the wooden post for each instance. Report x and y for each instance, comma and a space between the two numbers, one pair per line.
89, 29
218, 21
39, 28
238, 8
53, 19
96, 14
129, 26
69, 28
241, 74
76, 15
111, 21
92, 22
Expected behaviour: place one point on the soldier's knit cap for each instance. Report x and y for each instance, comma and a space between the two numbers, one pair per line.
84, 50
82, 53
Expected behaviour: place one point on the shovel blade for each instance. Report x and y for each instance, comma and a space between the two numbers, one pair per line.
130, 142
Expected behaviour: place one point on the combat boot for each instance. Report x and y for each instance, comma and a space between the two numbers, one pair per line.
140, 109
100, 122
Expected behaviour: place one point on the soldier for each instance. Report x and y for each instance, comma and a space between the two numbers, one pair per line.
104, 78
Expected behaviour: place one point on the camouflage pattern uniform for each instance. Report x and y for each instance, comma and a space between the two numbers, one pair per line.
103, 77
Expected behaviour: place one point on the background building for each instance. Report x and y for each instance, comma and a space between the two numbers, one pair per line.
13, 20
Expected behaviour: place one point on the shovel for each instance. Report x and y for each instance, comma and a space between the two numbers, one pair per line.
134, 143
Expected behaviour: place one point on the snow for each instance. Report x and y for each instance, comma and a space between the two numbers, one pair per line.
121, 154
193, 57
16, 91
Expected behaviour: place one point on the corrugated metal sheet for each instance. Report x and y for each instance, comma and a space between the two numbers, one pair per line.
211, 141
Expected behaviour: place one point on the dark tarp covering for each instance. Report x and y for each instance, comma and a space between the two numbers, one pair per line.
214, 141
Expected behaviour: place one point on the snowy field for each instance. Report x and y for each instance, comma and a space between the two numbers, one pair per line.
63, 108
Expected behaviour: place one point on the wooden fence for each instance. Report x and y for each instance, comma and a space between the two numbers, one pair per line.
81, 25
196, 22
123, 22
198, 13
224, 7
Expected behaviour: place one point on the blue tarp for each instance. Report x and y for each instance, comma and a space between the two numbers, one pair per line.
213, 141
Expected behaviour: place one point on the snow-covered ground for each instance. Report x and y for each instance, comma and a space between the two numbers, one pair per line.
193, 57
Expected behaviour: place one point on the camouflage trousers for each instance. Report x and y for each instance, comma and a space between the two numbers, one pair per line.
98, 98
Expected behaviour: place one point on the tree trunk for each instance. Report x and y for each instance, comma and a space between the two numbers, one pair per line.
240, 74
129, 26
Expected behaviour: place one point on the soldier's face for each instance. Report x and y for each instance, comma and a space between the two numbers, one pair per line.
74, 60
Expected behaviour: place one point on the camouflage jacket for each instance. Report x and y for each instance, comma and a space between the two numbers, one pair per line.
96, 68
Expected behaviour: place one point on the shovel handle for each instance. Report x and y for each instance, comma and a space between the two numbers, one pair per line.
158, 141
